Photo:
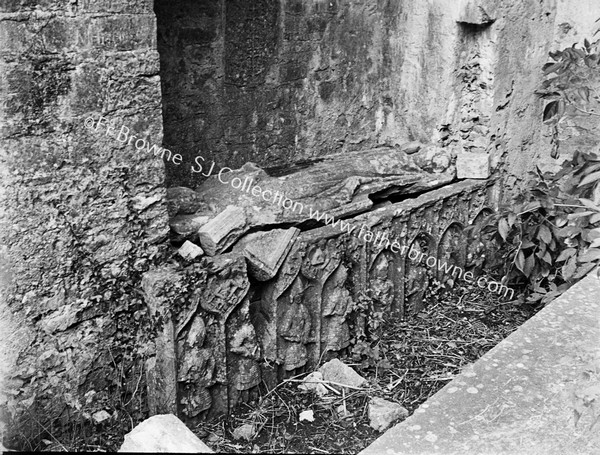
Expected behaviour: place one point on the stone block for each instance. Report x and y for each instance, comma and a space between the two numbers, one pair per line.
265, 251
163, 434
223, 230
190, 251
336, 371
383, 413
472, 165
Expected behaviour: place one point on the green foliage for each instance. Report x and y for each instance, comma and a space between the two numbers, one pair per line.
550, 236
569, 85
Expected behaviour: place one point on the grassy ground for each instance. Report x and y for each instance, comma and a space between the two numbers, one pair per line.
407, 364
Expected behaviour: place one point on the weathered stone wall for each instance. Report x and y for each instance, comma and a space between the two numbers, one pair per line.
83, 213
279, 81
515, 47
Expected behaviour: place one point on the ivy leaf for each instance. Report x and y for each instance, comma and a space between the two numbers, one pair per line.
568, 269
547, 258
527, 244
589, 204
561, 221
520, 261
545, 233
529, 265
593, 177
503, 228
552, 67
572, 216
566, 254
551, 110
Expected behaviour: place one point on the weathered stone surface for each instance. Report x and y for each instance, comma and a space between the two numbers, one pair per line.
411, 147
83, 215
246, 431
186, 227
163, 434
322, 276
472, 12
161, 369
384, 413
336, 371
314, 381
265, 251
223, 230
340, 185
472, 165
190, 251
520, 397
435, 159
182, 200
303, 81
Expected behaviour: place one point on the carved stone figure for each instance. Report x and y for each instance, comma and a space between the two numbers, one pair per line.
417, 277
337, 303
452, 252
295, 330
381, 287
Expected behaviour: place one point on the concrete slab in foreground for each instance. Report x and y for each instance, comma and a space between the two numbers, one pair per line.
517, 399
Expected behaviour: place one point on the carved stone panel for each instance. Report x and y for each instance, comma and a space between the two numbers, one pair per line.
418, 276
451, 252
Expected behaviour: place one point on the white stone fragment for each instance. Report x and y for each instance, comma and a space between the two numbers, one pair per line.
163, 433
314, 381
246, 431
190, 251
100, 416
383, 413
307, 415
339, 373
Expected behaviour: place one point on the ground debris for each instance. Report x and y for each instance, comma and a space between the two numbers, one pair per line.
421, 354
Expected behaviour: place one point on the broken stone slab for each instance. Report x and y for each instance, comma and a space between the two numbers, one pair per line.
163, 434
336, 371
190, 251
265, 251
314, 381
340, 184
472, 165
383, 413
186, 227
223, 230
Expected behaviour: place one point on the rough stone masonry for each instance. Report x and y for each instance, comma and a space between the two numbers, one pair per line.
275, 83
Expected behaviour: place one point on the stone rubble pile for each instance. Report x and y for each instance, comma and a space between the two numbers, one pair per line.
382, 413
